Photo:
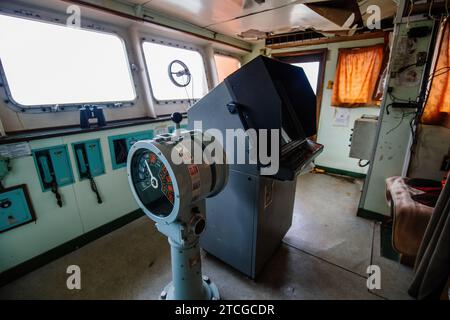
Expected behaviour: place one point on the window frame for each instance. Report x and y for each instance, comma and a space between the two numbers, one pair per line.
58, 18
176, 44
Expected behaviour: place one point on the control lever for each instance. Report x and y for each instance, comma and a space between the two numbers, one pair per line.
177, 118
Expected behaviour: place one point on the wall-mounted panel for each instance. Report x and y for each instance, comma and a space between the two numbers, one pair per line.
53, 167
15, 208
119, 145
89, 158
54, 225
81, 212
392, 147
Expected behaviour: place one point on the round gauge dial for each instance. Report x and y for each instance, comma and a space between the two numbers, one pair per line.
152, 183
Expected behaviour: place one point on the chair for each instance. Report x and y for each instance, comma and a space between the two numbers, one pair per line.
411, 202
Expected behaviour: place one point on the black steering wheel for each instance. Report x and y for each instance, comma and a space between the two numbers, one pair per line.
178, 69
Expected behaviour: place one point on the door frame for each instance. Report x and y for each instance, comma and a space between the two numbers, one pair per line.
319, 55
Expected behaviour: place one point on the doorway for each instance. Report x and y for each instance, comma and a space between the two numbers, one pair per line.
313, 64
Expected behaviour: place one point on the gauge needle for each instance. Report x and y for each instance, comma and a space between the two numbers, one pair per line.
153, 180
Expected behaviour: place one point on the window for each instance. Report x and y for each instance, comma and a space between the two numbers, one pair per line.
50, 64
311, 70
225, 65
313, 64
158, 58
356, 76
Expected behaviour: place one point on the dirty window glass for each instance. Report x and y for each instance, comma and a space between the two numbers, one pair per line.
158, 58
48, 64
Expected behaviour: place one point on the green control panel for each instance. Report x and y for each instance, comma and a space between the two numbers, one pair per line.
54, 167
89, 158
120, 145
15, 208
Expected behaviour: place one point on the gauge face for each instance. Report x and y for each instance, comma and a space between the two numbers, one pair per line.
152, 183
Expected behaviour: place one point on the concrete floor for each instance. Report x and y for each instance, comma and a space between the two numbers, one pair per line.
324, 256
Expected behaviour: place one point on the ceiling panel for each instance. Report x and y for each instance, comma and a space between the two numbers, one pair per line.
234, 17
388, 8
209, 12
338, 11
140, 2
284, 19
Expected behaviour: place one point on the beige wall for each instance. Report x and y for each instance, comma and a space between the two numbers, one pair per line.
432, 144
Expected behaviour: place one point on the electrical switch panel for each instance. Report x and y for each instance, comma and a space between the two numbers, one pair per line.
15, 208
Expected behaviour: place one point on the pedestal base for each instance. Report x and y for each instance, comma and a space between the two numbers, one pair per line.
209, 292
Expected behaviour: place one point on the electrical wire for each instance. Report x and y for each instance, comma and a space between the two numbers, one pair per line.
430, 15
363, 165
430, 79
188, 98
439, 72
429, 8
387, 108
411, 7
444, 72
404, 114
394, 98
421, 98
402, 69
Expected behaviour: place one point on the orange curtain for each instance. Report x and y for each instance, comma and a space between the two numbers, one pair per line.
437, 107
356, 76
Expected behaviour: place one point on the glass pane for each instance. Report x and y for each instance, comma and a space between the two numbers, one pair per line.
225, 65
53, 64
312, 72
158, 58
